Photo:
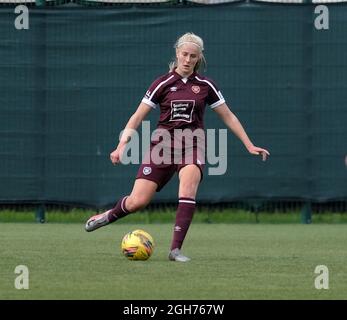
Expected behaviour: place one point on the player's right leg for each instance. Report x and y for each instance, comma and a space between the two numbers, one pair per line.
142, 193
190, 177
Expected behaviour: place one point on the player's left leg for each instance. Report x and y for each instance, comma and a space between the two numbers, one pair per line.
190, 177
142, 193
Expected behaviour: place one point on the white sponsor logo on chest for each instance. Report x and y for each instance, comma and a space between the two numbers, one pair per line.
182, 110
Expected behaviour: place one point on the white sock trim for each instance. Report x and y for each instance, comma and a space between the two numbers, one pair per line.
122, 205
187, 201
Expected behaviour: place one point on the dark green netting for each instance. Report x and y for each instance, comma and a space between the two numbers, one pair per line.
70, 82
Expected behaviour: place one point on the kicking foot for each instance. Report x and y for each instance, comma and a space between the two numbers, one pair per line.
175, 255
97, 221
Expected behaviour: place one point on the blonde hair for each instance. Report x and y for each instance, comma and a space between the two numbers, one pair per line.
189, 37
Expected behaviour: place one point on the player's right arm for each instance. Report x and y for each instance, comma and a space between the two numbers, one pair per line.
133, 123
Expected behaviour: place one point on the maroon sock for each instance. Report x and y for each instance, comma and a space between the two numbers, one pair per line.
119, 211
184, 216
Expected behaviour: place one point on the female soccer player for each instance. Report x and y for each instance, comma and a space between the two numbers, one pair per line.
182, 95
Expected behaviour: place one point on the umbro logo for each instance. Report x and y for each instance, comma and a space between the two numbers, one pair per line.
178, 228
148, 94
173, 89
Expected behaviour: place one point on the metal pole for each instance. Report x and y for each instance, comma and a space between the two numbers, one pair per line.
40, 214
306, 213
40, 3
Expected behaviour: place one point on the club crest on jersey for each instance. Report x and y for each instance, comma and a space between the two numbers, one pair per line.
147, 170
196, 89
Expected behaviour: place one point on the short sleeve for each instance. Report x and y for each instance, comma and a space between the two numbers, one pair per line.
215, 97
152, 96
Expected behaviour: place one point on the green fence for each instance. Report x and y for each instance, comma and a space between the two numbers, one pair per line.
69, 83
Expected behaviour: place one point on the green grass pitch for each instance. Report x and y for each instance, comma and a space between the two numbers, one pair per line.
229, 261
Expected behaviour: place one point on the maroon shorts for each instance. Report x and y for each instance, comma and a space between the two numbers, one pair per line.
161, 173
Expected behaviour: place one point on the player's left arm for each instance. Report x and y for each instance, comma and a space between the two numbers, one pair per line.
236, 127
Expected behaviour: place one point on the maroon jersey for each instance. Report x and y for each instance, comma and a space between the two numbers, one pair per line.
182, 101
